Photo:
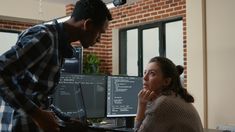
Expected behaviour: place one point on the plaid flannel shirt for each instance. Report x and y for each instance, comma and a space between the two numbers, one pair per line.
29, 68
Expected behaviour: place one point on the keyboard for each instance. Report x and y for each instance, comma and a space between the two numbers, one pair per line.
105, 126
124, 129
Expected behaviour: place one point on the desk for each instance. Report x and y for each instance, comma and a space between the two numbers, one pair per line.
119, 130
91, 129
212, 130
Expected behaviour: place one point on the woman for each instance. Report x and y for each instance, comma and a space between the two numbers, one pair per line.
163, 104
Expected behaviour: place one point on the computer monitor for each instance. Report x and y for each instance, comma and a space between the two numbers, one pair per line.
94, 91
122, 92
93, 88
74, 64
68, 97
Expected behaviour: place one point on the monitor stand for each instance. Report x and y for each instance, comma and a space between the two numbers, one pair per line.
129, 122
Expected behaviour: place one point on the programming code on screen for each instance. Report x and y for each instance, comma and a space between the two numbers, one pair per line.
122, 94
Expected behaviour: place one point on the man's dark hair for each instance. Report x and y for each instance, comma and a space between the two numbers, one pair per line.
96, 10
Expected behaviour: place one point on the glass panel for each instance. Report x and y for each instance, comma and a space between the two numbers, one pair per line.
132, 52
174, 43
150, 44
7, 40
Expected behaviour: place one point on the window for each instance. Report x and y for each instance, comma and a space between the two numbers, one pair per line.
7, 39
139, 44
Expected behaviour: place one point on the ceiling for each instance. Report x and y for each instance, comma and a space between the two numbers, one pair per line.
71, 1
39, 10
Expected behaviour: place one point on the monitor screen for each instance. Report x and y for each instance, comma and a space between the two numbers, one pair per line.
73, 65
122, 92
68, 96
94, 91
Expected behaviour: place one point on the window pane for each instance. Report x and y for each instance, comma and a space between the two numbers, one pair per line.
7, 40
150, 44
174, 42
132, 52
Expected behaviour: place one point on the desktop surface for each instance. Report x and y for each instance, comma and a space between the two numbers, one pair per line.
123, 129
109, 129
108, 125
105, 126
212, 130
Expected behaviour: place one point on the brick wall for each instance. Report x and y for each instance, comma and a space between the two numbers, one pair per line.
14, 25
140, 12
146, 11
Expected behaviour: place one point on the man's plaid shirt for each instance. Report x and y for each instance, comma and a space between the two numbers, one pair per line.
29, 69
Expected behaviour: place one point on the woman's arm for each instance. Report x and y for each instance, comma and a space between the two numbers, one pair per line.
144, 96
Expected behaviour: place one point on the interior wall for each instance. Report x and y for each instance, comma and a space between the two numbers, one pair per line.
31, 10
195, 55
220, 50
115, 53
210, 64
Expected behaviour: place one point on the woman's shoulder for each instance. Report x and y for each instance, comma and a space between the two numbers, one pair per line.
158, 103
167, 99
175, 110
170, 102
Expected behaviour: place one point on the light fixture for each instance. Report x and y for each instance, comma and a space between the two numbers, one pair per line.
119, 2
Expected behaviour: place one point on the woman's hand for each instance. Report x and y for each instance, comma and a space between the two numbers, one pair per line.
145, 96
46, 120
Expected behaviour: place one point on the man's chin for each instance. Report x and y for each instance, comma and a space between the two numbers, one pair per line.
85, 46
93, 44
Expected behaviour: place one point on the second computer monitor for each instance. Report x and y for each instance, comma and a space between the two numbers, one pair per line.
94, 91
122, 92
93, 88
68, 96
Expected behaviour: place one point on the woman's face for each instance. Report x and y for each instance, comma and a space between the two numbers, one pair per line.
153, 79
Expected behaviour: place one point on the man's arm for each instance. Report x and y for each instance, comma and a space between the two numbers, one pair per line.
32, 46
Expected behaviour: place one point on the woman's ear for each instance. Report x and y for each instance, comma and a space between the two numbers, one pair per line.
88, 24
167, 81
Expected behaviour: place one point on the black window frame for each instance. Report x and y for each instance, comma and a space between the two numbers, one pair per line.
10, 31
123, 43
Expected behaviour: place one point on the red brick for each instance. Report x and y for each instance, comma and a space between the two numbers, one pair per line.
178, 8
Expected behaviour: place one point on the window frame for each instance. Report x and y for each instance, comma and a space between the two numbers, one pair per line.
123, 43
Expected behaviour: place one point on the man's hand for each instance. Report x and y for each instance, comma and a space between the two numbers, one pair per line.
46, 120
74, 125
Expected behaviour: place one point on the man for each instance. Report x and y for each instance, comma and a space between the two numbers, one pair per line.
29, 71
